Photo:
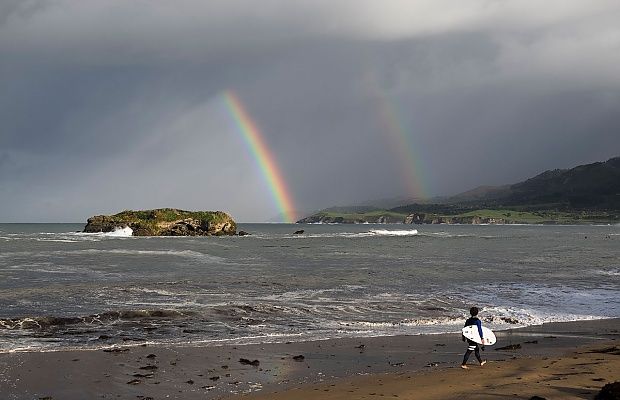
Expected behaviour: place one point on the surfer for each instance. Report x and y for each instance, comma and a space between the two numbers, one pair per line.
471, 345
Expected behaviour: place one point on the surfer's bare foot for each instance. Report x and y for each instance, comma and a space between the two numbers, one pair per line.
464, 366
483, 362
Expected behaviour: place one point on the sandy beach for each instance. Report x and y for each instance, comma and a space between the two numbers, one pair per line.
558, 360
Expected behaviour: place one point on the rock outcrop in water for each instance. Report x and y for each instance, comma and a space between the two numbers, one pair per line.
165, 222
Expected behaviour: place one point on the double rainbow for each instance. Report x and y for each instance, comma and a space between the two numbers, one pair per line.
260, 152
402, 143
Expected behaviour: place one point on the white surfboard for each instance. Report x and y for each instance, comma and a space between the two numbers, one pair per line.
471, 333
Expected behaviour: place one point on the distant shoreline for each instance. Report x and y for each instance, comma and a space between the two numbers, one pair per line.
437, 214
444, 223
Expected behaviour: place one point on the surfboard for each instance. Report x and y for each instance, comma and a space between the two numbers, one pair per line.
471, 333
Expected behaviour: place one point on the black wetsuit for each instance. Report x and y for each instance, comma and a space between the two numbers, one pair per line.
471, 345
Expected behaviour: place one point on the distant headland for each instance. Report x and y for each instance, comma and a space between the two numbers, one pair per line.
165, 222
582, 195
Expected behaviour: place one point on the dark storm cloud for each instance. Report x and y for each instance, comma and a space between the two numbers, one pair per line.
113, 105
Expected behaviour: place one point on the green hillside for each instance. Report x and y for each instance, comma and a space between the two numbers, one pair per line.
584, 194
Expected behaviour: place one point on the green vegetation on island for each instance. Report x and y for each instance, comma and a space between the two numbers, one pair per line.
165, 222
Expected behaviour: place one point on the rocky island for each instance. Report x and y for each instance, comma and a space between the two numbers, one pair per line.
165, 222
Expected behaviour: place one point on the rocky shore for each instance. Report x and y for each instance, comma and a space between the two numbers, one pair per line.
165, 222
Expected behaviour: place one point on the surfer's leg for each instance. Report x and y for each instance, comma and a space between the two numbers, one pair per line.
466, 356
477, 353
470, 348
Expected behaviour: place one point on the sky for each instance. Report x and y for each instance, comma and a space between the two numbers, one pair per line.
111, 105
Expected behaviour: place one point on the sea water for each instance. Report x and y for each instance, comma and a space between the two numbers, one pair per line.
62, 289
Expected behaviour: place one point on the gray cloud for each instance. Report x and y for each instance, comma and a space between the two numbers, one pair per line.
112, 105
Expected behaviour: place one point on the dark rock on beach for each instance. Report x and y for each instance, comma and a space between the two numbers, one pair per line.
143, 375
115, 350
615, 350
165, 222
611, 391
245, 361
510, 347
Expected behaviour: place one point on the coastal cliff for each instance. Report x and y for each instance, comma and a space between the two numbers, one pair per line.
165, 222
391, 218
460, 219
384, 217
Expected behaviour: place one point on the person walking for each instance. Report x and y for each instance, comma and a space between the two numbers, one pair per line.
471, 345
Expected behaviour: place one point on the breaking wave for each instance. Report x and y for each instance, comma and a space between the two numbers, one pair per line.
370, 233
50, 322
385, 232
130, 252
120, 232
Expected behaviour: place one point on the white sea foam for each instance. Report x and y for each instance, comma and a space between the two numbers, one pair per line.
370, 233
129, 252
613, 272
385, 232
498, 316
120, 232
57, 240
160, 292
310, 293
444, 321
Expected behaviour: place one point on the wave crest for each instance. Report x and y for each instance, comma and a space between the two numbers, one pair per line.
385, 232
120, 232
50, 322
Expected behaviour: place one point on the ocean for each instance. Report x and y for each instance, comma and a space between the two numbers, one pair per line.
61, 289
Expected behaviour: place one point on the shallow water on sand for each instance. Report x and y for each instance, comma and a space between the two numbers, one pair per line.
62, 289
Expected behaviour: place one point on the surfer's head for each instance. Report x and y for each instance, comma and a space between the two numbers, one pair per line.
473, 311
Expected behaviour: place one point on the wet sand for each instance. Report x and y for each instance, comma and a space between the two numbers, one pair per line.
561, 360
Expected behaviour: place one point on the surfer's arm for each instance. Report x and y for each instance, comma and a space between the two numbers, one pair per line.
479, 328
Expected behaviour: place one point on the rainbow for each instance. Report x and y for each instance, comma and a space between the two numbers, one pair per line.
264, 159
402, 144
